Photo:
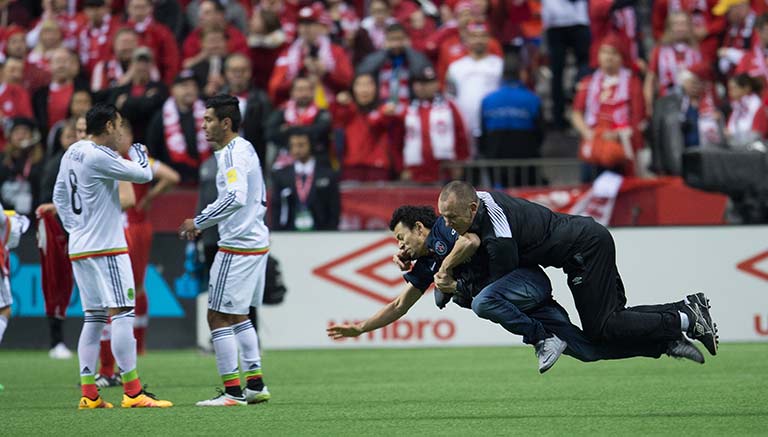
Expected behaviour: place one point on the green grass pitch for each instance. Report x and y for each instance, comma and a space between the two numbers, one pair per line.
453, 391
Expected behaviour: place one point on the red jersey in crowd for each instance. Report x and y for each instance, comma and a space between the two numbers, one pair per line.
612, 103
95, 43
434, 132
236, 42
14, 102
59, 96
163, 44
370, 141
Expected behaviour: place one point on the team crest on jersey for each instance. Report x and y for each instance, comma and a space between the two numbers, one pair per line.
440, 248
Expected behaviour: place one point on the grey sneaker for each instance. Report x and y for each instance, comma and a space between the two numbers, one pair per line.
684, 349
701, 326
548, 351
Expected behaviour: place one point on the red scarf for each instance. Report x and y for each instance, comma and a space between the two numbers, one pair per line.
295, 116
92, 39
743, 116
672, 60
294, 57
174, 135
386, 83
597, 95
624, 20
440, 125
740, 37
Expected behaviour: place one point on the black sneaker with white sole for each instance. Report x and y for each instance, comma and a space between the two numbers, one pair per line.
701, 327
684, 349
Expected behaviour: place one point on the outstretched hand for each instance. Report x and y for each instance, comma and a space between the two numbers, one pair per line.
402, 261
340, 331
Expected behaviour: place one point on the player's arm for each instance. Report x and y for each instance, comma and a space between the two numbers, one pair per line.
466, 246
61, 202
235, 170
166, 178
388, 314
110, 165
127, 195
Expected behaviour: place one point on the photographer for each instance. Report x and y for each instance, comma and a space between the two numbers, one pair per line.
21, 167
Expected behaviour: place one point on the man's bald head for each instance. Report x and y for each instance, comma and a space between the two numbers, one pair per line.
458, 205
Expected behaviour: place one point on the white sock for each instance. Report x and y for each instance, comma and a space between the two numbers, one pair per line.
684, 322
225, 347
123, 342
3, 325
88, 344
248, 342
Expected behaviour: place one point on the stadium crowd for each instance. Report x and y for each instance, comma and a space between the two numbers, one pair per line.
384, 89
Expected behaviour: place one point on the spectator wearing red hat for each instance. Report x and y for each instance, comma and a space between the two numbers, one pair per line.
434, 132
678, 50
473, 77
94, 40
14, 102
748, 121
12, 41
50, 39
706, 26
394, 66
616, 17
609, 110
51, 103
314, 55
738, 37
266, 40
69, 23
754, 62
211, 15
371, 152
377, 21
156, 36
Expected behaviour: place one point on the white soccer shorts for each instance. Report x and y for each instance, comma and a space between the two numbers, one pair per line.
105, 281
236, 282
6, 299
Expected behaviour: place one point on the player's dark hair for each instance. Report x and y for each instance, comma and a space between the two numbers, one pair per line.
464, 192
299, 131
408, 215
96, 118
744, 80
225, 106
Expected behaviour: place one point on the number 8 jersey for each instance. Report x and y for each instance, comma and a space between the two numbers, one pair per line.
87, 198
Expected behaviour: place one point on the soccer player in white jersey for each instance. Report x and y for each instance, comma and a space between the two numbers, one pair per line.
11, 228
87, 201
238, 270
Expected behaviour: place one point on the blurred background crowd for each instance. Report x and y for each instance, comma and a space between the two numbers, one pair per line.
396, 91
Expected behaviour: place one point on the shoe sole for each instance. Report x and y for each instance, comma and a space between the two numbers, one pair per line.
258, 401
712, 339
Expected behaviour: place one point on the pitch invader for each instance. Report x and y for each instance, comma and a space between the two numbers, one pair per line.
238, 270
86, 197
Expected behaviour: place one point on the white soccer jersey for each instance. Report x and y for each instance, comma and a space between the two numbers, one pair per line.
87, 198
241, 205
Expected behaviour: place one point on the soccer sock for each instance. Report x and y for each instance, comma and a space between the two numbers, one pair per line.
141, 322
57, 334
250, 355
225, 347
88, 351
684, 321
3, 325
107, 360
124, 349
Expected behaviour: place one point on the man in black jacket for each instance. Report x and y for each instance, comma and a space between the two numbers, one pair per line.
305, 195
515, 232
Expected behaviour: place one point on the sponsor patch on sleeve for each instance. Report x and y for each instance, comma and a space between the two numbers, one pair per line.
231, 176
